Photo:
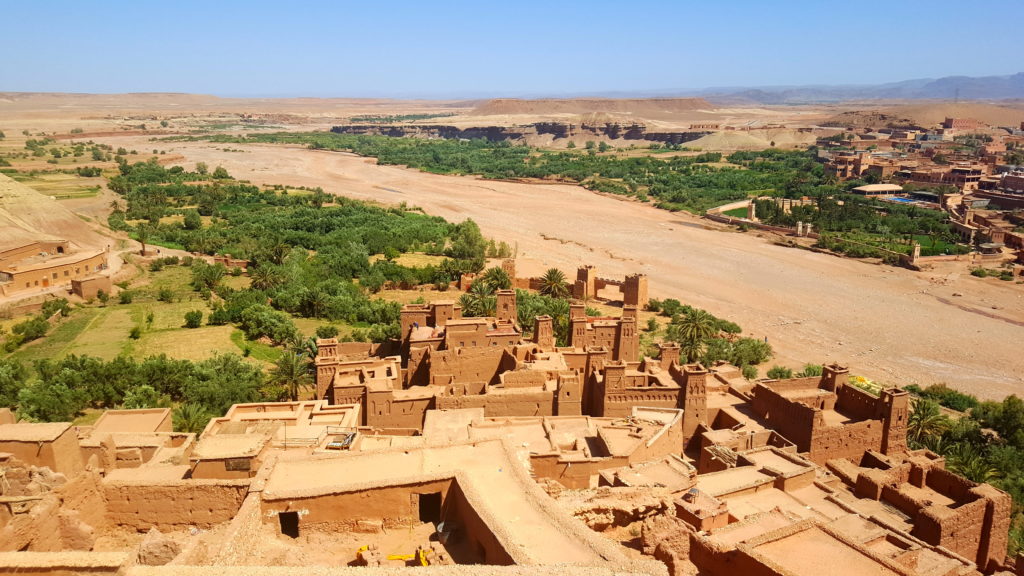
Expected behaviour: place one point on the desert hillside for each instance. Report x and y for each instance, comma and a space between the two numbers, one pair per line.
644, 107
27, 215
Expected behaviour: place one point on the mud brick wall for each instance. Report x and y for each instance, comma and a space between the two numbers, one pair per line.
956, 529
202, 503
620, 404
573, 475
391, 506
846, 441
794, 421
857, 403
539, 403
953, 485
468, 365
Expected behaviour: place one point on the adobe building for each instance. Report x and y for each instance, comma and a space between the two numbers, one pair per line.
90, 287
51, 445
40, 266
475, 447
961, 124
487, 494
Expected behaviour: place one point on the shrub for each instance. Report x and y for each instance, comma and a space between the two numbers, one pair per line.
125, 297
136, 333
219, 317
326, 331
143, 396
779, 373
165, 295
31, 329
193, 319
750, 351
749, 372
51, 307
810, 370
670, 307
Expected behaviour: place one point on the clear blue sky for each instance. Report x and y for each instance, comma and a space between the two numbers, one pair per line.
494, 47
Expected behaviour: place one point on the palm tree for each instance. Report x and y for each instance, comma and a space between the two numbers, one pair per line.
925, 422
692, 349
264, 277
966, 460
695, 326
478, 300
553, 284
291, 372
190, 417
279, 251
314, 302
497, 278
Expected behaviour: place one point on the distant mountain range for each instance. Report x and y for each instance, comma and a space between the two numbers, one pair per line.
946, 88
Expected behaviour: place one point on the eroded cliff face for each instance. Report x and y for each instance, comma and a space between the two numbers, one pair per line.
525, 134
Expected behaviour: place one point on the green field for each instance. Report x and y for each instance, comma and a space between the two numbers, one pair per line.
104, 331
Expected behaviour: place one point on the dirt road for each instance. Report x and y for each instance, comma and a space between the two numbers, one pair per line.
888, 324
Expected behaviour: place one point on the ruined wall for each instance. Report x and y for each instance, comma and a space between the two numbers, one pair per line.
173, 505
574, 474
386, 507
667, 441
46, 513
